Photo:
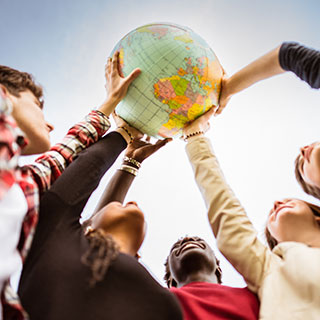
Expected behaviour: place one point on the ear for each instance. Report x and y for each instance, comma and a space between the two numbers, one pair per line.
318, 220
4, 91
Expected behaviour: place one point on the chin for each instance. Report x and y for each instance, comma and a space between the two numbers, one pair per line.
195, 260
39, 146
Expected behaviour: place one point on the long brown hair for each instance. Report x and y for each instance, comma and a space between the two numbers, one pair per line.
272, 242
102, 251
312, 190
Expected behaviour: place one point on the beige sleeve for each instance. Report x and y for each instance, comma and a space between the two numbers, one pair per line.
236, 236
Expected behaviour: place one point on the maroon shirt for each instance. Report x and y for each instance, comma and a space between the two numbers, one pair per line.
210, 301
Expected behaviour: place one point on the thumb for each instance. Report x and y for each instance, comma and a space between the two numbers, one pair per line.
209, 113
133, 75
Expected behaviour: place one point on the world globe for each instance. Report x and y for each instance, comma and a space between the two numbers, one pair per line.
180, 78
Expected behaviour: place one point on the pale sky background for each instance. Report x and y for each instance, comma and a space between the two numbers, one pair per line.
65, 44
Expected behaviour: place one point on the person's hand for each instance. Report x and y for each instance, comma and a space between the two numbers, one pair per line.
225, 95
133, 132
140, 150
199, 125
116, 85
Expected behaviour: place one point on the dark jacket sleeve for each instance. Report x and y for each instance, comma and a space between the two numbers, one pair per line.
303, 61
82, 177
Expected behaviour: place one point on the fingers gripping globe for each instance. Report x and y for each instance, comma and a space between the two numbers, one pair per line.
180, 78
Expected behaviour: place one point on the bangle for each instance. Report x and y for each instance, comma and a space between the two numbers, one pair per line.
131, 170
133, 161
128, 133
185, 138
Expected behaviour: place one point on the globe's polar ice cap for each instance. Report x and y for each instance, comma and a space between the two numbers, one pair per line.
180, 79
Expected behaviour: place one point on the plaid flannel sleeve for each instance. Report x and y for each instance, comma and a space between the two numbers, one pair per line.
9, 147
49, 166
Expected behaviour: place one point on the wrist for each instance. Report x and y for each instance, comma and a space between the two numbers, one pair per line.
130, 168
132, 162
125, 133
192, 135
108, 105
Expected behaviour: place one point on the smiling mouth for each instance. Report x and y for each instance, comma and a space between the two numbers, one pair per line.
280, 208
188, 245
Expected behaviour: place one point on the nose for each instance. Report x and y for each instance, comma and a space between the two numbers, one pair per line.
276, 204
49, 126
132, 202
303, 150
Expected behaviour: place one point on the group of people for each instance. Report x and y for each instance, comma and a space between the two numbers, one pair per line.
91, 270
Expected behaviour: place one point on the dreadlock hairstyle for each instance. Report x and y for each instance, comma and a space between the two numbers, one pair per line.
16, 81
168, 278
312, 190
102, 251
272, 242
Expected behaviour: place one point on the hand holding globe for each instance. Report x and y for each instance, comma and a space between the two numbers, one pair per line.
180, 79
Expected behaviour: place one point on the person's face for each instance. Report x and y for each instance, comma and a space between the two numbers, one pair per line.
27, 111
288, 218
309, 164
191, 255
123, 222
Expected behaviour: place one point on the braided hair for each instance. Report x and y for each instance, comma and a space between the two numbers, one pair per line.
103, 250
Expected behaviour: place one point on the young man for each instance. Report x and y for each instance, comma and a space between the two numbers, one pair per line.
23, 130
193, 274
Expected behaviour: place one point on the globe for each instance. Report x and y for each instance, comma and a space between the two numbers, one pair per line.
180, 79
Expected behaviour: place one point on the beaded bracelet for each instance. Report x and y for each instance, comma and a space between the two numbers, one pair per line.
129, 169
128, 133
133, 161
192, 135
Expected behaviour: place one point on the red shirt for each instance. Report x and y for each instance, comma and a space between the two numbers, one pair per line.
210, 301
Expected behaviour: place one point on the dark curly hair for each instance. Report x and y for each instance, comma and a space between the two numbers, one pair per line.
16, 81
102, 251
312, 190
168, 278
272, 242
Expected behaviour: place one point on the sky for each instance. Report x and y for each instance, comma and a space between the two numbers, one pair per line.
65, 44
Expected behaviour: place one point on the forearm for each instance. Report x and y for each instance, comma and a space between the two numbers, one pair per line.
264, 67
236, 237
49, 166
117, 189
303, 61
108, 106
82, 177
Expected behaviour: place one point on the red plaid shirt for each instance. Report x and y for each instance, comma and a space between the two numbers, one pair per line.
36, 178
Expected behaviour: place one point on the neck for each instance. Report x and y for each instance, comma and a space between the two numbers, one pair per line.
198, 277
124, 245
310, 236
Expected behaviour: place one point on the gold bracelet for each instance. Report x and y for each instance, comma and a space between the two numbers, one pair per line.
192, 135
133, 161
132, 170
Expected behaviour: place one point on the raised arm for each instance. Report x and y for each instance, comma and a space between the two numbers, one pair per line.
290, 56
51, 164
119, 185
236, 236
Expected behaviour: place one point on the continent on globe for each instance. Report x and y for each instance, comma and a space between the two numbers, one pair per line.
180, 79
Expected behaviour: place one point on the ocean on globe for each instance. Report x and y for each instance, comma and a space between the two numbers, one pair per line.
180, 79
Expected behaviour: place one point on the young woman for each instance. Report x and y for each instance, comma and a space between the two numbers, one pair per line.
91, 271
286, 279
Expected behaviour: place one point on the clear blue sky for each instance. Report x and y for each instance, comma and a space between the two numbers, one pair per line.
65, 44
